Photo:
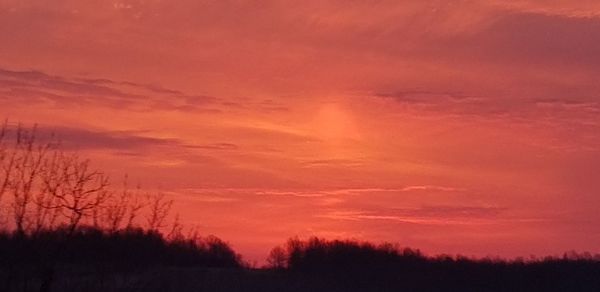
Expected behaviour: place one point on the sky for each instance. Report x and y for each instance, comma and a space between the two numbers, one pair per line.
468, 127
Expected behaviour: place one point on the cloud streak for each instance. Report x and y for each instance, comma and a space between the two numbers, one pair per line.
36, 86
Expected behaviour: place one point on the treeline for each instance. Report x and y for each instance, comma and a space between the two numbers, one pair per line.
362, 266
132, 247
56, 210
43, 187
53, 197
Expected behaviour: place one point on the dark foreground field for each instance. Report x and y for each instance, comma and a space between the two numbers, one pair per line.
217, 279
138, 260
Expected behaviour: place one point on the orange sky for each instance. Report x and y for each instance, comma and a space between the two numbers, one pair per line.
467, 127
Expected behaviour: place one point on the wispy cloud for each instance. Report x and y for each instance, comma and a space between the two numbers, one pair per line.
429, 215
65, 92
318, 193
125, 143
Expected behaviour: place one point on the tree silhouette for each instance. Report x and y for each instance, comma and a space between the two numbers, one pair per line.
159, 210
64, 210
277, 258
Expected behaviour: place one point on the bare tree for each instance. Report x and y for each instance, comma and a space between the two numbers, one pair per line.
27, 165
79, 190
22, 162
159, 210
193, 235
51, 180
135, 205
46, 186
72, 189
116, 207
176, 232
7, 160
277, 258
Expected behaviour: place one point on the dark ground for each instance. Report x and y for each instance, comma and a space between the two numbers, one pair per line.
137, 260
217, 279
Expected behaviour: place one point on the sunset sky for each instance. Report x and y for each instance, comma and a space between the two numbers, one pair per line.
468, 127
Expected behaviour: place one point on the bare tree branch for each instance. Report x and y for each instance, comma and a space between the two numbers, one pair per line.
159, 210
